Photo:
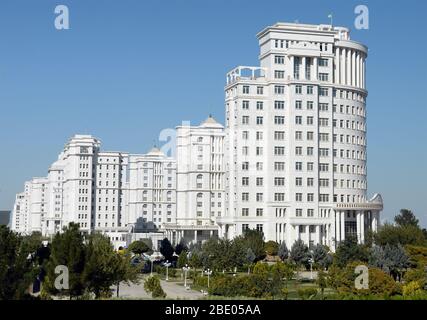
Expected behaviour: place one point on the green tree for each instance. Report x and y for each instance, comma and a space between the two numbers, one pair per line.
182, 260
349, 250
271, 248
406, 218
322, 258
250, 258
138, 247
254, 239
322, 282
166, 249
105, 268
68, 249
152, 285
396, 234
181, 246
124, 272
283, 251
17, 272
299, 253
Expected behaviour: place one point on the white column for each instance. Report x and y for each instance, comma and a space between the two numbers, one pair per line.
317, 239
342, 225
358, 226
337, 63
303, 66
297, 234
307, 235
353, 68
337, 226
292, 66
362, 227
314, 69
348, 62
363, 73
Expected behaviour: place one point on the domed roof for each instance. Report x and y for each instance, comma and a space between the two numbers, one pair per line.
155, 152
210, 122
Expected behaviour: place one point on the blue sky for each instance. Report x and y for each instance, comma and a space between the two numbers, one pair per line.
128, 69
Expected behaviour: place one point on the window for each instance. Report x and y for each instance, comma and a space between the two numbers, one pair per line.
260, 105
245, 196
309, 89
279, 74
245, 120
310, 135
245, 135
323, 137
298, 119
324, 92
259, 120
279, 120
259, 212
259, 197
279, 89
298, 197
310, 105
279, 151
279, 181
298, 212
298, 89
323, 167
298, 166
279, 105
279, 59
245, 89
298, 104
323, 107
245, 105
260, 90
259, 227
279, 166
310, 121
323, 62
298, 135
298, 151
298, 182
323, 77
279, 197
245, 212
279, 135
245, 181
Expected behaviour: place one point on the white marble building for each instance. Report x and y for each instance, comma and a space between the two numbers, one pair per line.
296, 139
200, 181
290, 162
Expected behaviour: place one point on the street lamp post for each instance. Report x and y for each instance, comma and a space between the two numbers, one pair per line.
185, 269
167, 265
208, 272
311, 261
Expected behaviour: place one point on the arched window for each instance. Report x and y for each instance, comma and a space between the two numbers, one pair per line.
200, 181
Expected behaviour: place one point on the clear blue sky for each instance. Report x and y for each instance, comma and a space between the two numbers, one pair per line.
128, 69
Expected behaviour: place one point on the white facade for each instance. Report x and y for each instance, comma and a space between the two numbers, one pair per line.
200, 181
290, 162
152, 191
296, 139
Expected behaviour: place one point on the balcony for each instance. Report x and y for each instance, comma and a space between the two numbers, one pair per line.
245, 73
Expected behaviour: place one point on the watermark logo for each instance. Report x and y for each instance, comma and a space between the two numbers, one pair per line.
62, 281
362, 280
362, 19
62, 21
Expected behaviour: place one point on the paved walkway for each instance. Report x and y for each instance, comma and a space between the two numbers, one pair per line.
174, 290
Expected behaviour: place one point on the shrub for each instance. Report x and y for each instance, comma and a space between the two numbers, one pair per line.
412, 289
307, 293
271, 248
152, 285
416, 275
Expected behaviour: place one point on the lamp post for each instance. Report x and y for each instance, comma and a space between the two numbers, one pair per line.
311, 261
208, 272
167, 265
185, 269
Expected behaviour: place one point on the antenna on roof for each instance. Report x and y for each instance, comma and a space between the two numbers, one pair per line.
330, 16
